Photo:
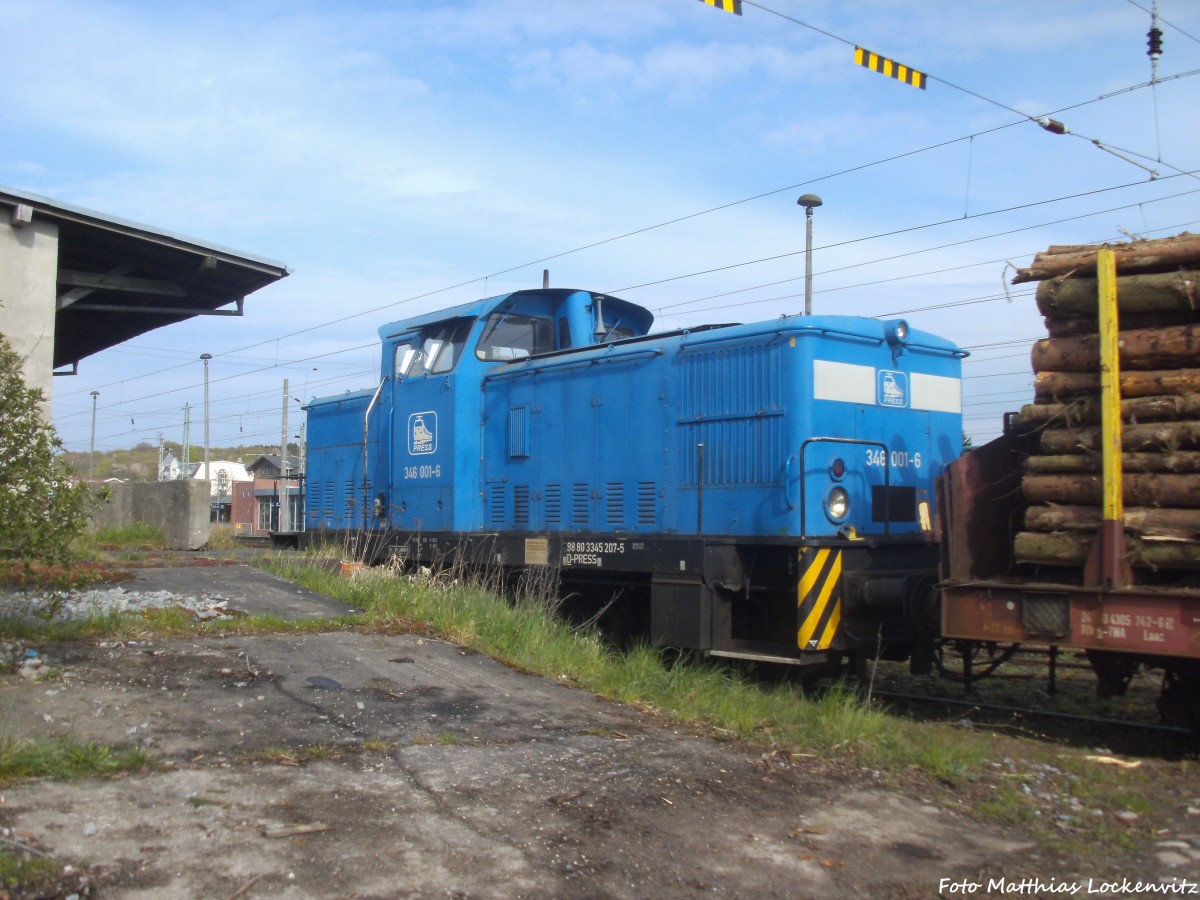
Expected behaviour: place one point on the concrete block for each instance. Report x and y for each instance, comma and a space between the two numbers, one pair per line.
180, 508
114, 506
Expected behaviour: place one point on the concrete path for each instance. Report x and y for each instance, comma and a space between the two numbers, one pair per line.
342, 764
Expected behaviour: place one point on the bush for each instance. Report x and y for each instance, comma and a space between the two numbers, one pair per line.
42, 505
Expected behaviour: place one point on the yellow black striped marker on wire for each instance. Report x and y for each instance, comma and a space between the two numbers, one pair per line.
889, 67
819, 597
730, 6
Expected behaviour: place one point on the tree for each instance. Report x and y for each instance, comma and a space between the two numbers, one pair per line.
42, 505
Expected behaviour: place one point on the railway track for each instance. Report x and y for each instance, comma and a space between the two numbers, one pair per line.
1073, 719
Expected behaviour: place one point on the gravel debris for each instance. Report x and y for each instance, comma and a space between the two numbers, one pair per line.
62, 606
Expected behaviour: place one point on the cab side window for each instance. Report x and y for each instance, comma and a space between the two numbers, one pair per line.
404, 355
509, 336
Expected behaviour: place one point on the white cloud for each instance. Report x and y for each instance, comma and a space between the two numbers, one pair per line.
388, 150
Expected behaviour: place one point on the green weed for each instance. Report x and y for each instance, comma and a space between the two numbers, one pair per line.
35, 876
135, 536
64, 760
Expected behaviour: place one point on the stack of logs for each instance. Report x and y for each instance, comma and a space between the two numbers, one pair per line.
1158, 298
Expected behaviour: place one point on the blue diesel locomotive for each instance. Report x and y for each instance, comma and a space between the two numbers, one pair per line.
758, 491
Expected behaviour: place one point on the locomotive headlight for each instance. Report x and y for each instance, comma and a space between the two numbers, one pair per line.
896, 332
837, 504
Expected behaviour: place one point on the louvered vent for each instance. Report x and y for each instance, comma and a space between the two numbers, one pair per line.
521, 505
579, 505
313, 501
614, 504
497, 510
553, 505
647, 504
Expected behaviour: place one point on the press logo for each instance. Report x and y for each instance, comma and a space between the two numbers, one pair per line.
893, 389
422, 433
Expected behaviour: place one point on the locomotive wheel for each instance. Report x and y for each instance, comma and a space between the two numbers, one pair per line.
975, 659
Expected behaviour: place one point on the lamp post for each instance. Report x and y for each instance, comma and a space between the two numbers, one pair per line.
92, 455
809, 202
206, 357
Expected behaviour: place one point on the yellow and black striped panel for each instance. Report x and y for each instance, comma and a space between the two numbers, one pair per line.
819, 597
889, 67
730, 6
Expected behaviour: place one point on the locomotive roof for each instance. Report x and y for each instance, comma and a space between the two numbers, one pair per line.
481, 307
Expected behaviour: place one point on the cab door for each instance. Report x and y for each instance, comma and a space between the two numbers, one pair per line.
423, 426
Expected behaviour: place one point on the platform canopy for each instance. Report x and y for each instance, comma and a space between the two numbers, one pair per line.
117, 279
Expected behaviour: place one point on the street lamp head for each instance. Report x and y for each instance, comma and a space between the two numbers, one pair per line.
207, 356
95, 393
809, 202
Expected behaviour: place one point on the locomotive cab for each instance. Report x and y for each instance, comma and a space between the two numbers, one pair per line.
394, 459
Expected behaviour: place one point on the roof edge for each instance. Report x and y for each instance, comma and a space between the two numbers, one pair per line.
69, 212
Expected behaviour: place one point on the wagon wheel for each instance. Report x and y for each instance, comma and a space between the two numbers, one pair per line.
985, 657
1179, 702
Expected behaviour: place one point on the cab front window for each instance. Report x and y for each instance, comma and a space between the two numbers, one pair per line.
509, 336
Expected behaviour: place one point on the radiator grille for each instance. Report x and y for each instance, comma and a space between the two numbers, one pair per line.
518, 432
731, 401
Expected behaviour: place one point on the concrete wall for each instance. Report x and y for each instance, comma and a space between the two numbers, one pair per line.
28, 293
180, 508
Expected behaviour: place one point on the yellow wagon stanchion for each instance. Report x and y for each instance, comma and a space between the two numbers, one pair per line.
1107, 566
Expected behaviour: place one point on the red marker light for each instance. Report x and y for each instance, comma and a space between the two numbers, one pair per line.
837, 468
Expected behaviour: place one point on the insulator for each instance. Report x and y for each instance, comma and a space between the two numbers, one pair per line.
1053, 126
1154, 42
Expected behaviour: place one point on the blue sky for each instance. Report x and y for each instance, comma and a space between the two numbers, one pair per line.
404, 156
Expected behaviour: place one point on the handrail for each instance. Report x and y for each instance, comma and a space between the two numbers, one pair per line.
366, 425
815, 331
530, 367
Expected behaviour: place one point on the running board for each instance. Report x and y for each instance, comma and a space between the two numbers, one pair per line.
806, 659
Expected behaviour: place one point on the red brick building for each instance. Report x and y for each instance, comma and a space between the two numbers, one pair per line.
256, 503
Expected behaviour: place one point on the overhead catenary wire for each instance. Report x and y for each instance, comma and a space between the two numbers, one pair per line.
908, 230
85, 411
1044, 122
283, 364
646, 229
